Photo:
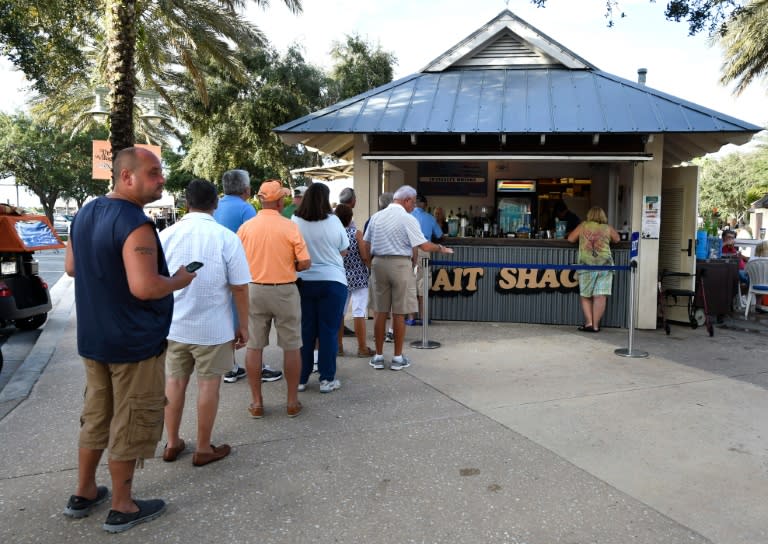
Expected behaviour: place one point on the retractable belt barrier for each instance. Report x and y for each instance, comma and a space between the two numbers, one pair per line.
427, 263
531, 266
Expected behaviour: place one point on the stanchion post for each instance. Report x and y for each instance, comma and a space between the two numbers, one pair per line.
629, 351
425, 343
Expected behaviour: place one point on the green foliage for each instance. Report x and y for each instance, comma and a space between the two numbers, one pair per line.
234, 129
70, 46
358, 67
44, 158
745, 45
712, 16
732, 183
47, 39
177, 178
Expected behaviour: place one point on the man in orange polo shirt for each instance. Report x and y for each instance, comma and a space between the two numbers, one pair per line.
275, 251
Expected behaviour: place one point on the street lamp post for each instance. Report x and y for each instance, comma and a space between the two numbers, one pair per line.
147, 102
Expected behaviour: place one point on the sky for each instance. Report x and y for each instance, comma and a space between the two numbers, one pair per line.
418, 31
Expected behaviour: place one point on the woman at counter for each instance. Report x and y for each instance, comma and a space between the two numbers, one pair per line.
594, 236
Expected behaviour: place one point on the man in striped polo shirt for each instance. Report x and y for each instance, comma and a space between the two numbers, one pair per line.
392, 235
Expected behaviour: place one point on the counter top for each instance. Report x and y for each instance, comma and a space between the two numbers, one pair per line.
522, 242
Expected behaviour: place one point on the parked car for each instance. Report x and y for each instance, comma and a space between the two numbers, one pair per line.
61, 224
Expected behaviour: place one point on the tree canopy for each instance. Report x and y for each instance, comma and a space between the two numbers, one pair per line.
732, 183
358, 67
48, 39
712, 16
46, 160
234, 129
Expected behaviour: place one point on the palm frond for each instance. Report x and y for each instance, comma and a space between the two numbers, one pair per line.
745, 45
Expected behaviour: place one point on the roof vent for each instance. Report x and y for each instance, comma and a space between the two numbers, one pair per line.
641, 73
506, 50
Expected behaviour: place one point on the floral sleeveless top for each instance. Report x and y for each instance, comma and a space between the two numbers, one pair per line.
595, 244
357, 272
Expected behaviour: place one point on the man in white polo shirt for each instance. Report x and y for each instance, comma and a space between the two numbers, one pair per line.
391, 235
202, 329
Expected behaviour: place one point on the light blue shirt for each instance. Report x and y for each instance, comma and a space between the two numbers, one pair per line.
325, 240
428, 224
233, 211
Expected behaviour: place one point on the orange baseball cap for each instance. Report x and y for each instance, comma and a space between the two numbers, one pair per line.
272, 189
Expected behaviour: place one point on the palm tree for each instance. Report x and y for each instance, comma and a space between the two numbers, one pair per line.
121, 47
169, 31
745, 45
143, 44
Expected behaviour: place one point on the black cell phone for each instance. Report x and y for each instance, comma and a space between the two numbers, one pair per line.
194, 265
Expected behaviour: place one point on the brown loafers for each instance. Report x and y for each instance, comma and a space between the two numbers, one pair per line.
170, 454
219, 452
256, 411
366, 354
294, 410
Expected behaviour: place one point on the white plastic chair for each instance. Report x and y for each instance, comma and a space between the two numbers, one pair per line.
757, 270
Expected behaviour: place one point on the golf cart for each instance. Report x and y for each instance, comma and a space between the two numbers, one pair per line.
24, 298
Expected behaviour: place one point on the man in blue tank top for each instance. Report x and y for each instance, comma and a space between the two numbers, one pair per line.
123, 295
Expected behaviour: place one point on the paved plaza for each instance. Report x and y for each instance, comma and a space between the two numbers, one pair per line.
507, 433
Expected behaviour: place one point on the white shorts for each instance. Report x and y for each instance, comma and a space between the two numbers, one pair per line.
359, 298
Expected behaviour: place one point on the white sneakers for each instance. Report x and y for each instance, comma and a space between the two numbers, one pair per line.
399, 365
378, 363
326, 386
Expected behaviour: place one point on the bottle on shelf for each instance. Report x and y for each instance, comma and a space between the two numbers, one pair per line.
453, 225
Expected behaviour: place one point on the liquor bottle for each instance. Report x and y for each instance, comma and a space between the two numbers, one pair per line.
453, 224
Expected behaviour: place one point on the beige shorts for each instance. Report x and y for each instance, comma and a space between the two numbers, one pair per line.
209, 361
420, 273
394, 285
280, 303
123, 408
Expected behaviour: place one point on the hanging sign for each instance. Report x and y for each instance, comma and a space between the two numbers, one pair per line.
651, 216
102, 157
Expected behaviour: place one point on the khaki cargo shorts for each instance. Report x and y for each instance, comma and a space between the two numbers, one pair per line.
123, 408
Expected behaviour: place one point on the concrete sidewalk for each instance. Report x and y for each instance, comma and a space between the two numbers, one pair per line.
507, 433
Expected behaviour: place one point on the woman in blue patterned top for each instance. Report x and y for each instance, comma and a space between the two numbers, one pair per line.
356, 265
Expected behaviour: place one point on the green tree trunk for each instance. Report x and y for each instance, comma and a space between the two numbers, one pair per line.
121, 44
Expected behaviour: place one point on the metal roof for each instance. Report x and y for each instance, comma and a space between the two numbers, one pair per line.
508, 78
540, 101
